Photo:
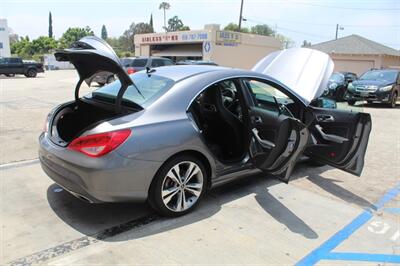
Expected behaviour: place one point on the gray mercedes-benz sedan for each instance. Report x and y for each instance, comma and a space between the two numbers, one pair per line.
167, 135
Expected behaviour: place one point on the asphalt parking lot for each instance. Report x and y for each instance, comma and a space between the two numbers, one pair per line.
323, 216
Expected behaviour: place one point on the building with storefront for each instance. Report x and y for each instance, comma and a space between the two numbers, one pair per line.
4, 39
357, 54
226, 48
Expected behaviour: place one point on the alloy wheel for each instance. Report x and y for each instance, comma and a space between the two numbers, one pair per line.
182, 186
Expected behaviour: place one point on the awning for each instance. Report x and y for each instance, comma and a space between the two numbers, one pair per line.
179, 50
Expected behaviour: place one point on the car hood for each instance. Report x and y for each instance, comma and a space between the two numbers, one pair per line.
305, 72
366, 82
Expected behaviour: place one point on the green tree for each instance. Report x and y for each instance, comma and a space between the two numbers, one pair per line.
50, 25
43, 44
262, 29
235, 27
104, 34
142, 28
164, 6
35, 48
126, 41
176, 24
72, 35
306, 44
151, 22
286, 41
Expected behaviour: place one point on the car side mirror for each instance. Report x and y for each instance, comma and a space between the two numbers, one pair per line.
323, 102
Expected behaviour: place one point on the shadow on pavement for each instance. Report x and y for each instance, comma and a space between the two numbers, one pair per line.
378, 105
107, 221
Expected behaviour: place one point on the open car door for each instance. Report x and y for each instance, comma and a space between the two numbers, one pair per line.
339, 138
277, 138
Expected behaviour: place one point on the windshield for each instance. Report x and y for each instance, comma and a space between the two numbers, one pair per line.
151, 87
336, 77
388, 75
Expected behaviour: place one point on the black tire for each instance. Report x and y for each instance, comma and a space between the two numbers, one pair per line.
392, 103
110, 79
351, 102
160, 180
101, 84
10, 75
31, 73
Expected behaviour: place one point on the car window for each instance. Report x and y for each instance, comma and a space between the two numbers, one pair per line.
337, 77
2, 61
168, 62
126, 62
139, 62
266, 95
157, 62
150, 86
14, 60
388, 75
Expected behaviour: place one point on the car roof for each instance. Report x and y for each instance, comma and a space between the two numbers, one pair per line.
179, 72
384, 70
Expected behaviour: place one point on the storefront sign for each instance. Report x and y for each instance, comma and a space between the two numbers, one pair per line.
160, 38
224, 37
177, 37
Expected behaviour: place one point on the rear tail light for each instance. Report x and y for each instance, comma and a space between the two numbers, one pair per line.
97, 145
130, 70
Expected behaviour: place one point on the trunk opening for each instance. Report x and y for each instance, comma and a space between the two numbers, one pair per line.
73, 119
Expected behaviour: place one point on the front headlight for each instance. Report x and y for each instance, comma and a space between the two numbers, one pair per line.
386, 88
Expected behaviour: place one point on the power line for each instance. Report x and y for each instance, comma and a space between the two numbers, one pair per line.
290, 30
329, 25
307, 33
346, 8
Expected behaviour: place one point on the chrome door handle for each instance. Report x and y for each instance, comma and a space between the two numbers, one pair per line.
264, 143
325, 118
330, 137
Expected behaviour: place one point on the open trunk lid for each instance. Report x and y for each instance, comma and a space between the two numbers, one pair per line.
90, 55
305, 72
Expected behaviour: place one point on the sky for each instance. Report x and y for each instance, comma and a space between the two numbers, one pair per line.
311, 20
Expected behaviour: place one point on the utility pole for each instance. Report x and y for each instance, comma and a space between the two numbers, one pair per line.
240, 16
337, 30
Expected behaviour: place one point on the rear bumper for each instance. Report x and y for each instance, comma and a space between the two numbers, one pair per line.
111, 178
377, 96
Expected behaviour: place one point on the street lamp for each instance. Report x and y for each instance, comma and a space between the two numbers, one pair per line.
338, 27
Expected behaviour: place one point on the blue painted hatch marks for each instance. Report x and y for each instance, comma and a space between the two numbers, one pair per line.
392, 210
324, 252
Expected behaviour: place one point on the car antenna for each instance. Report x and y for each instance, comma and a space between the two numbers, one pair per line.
149, 71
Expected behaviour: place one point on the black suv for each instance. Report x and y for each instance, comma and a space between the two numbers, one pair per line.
338, 83
11, 66
377, 85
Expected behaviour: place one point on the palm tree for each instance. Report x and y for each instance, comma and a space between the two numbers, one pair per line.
164, 6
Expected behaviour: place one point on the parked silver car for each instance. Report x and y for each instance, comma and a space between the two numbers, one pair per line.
169, 134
